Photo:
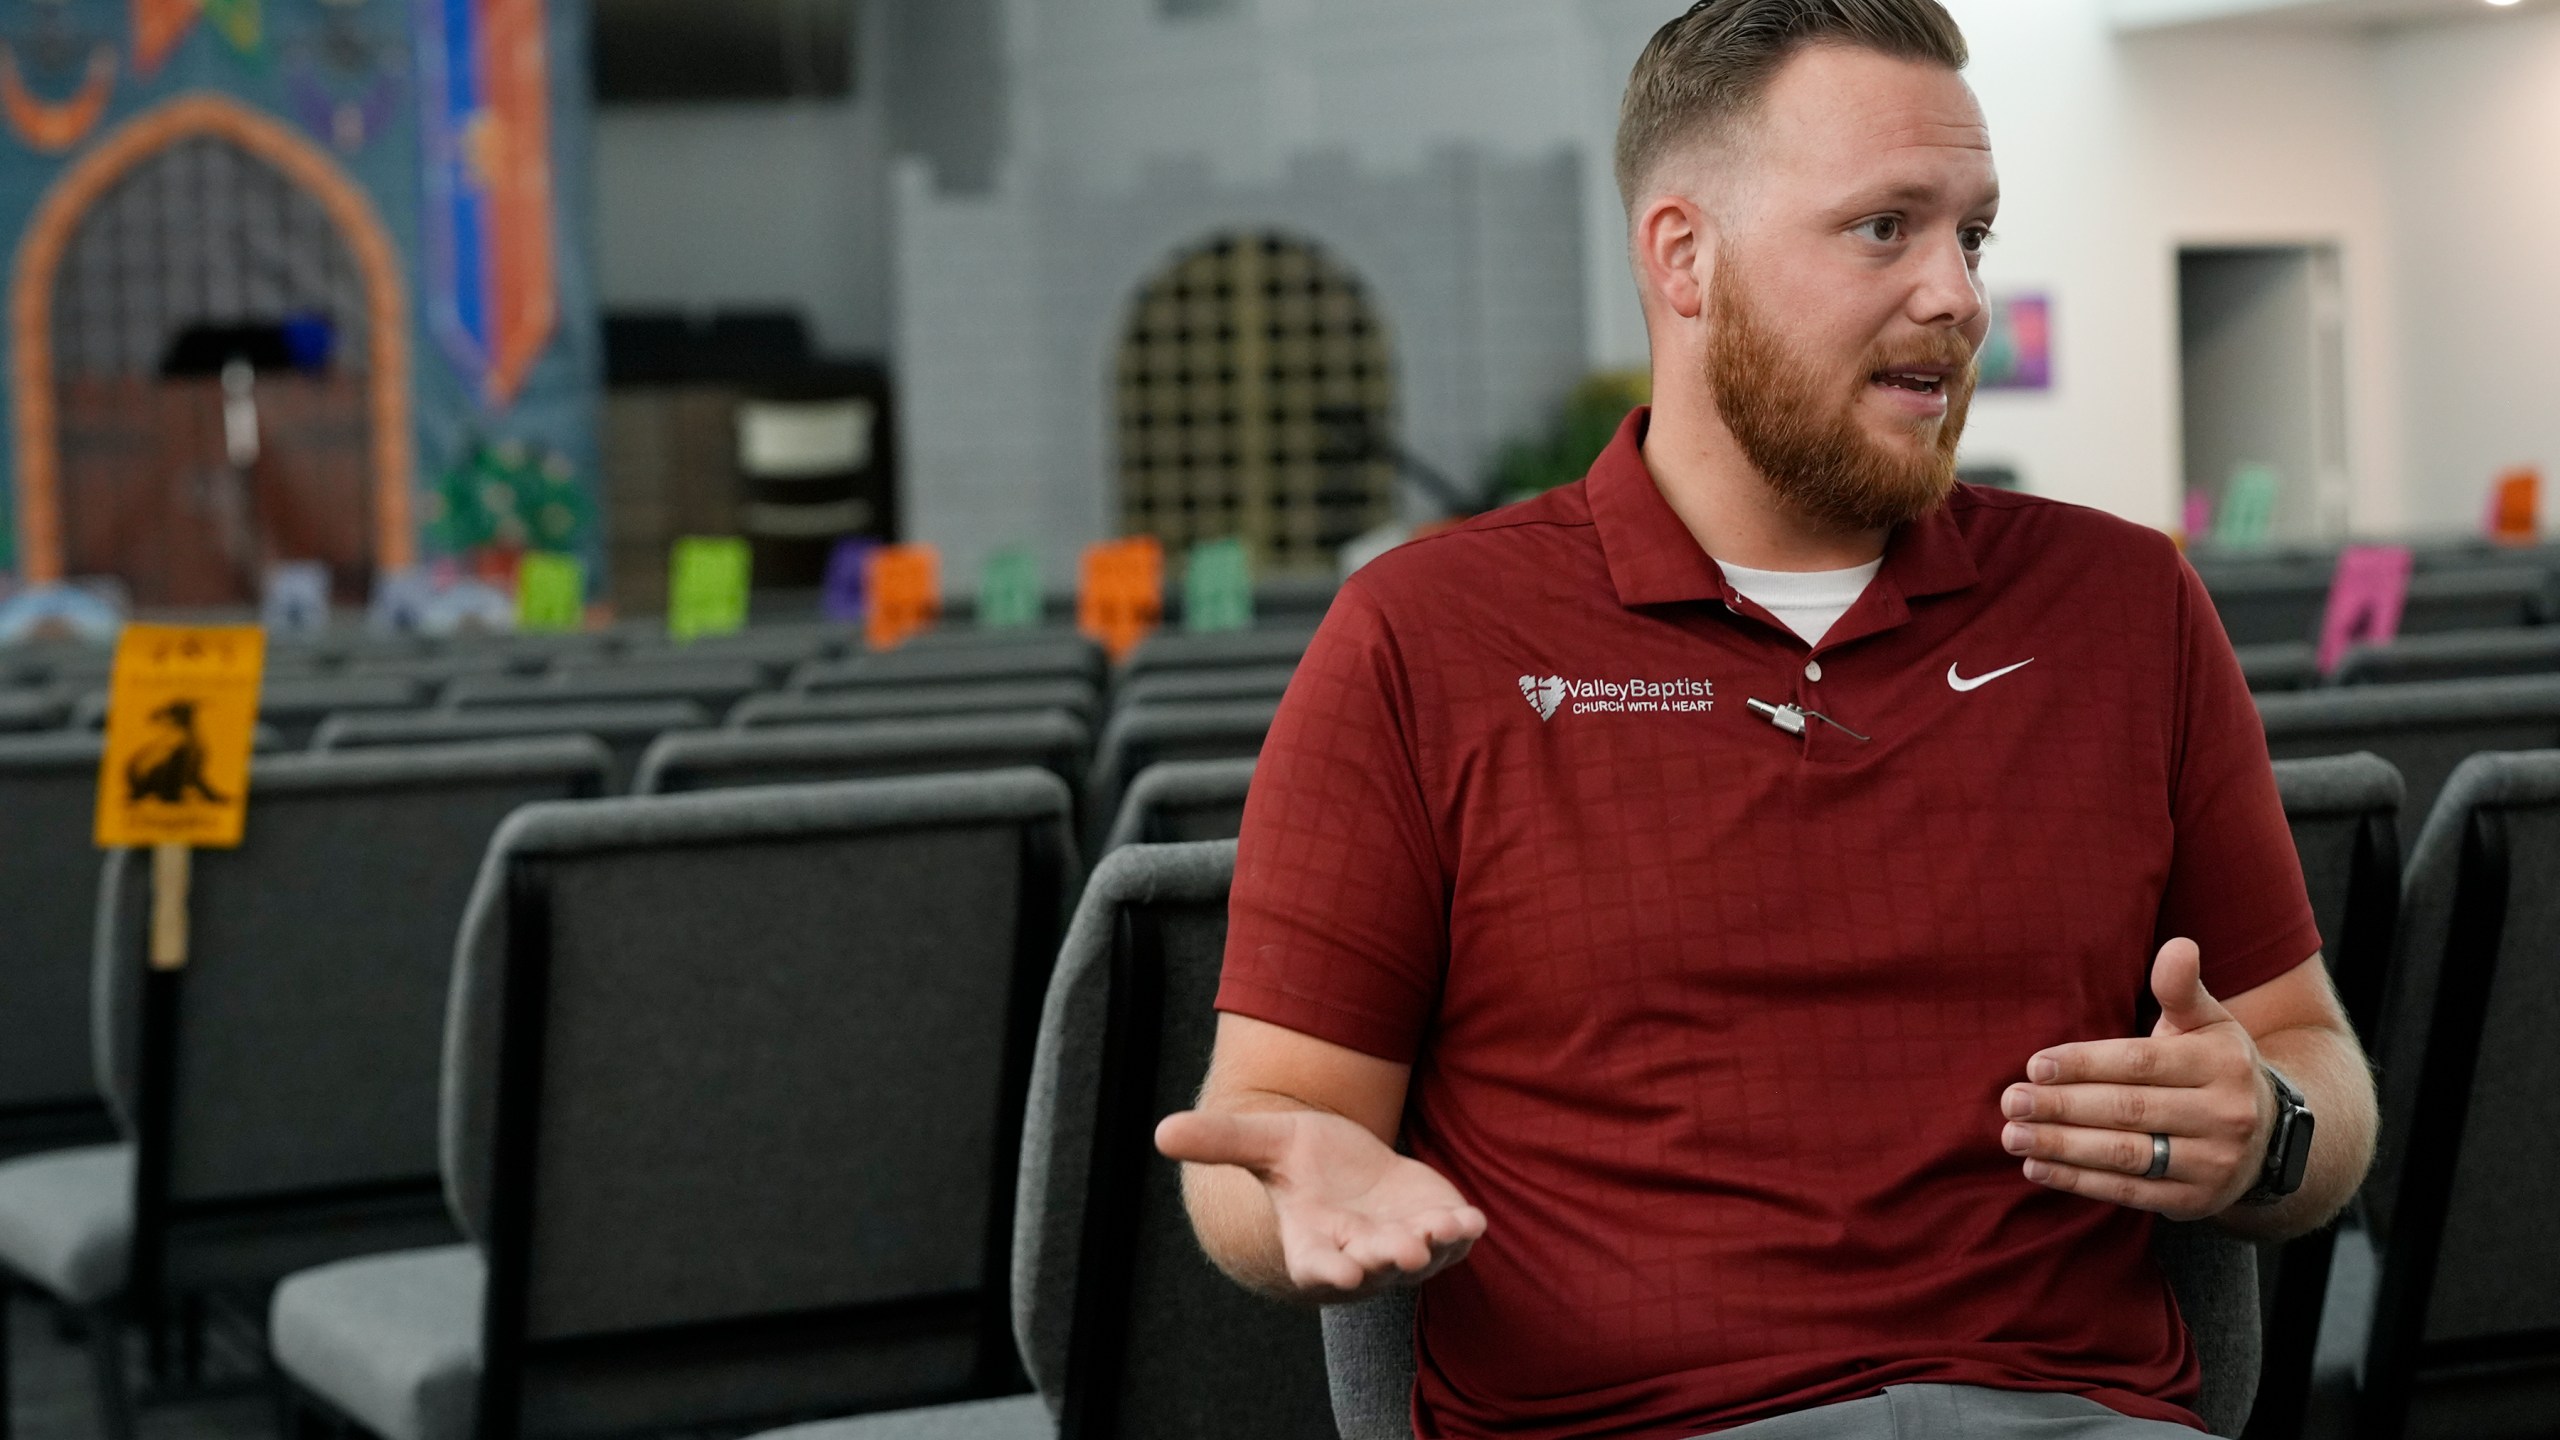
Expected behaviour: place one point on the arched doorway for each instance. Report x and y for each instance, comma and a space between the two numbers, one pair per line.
1232, 358
207, 212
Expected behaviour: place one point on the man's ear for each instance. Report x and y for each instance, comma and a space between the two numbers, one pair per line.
1674, 242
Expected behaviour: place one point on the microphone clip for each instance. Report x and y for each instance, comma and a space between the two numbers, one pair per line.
1792, 719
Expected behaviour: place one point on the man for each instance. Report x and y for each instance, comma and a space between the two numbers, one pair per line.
1739, 881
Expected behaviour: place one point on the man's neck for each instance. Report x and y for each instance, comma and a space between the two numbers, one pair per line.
1728, 507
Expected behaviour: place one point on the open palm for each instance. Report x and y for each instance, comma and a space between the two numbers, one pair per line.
1355, 1216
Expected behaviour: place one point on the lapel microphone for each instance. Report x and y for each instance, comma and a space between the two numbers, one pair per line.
1792, 718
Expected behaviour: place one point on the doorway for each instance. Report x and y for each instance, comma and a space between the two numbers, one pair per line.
1233, 360
2262, 365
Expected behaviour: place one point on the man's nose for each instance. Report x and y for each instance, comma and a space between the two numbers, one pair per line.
1949, 289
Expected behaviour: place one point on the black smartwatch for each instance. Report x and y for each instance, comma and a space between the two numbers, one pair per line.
2288, 1148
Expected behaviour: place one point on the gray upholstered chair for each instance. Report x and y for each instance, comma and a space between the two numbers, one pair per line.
715, 685
1051, 740
2283, 665
2458, 1208
279, 1092
1182, 800
1048, 657
434, 671
2288, 604
733, 1095
1126, 1328
1139, 736
919, 701
2455, 655
2424, 730
1241, 682
48, 891
296, 708
777, 648
30, 708
626, 730
2344, 814
1216, 650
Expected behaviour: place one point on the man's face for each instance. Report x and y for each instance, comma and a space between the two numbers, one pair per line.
1845, 307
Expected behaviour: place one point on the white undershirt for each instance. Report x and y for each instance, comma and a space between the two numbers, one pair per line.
1810, 602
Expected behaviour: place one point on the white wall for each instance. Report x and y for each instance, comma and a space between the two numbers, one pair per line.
2471, 136
779, 204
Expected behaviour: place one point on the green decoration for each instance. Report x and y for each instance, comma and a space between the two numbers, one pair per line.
509, 498
551, 593
242, 22
707, 586
1580, 431
1009, 591
2248, 505
1217, 587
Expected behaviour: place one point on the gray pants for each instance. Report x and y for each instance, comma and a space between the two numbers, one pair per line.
1959, 1412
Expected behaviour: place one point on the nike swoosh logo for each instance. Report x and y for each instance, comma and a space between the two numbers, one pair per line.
1963, 686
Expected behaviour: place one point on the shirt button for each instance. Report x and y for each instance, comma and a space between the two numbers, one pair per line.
1813, 670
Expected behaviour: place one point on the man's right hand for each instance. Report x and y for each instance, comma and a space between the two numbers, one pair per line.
1355, 1216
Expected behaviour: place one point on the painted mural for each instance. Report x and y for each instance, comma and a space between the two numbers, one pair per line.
371, 183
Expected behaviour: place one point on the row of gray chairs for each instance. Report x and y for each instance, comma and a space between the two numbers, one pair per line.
2454, 655
2275, 607
274, 1099
2424, 729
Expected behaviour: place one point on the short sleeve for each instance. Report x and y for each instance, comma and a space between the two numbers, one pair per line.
2235, 881
1338, 922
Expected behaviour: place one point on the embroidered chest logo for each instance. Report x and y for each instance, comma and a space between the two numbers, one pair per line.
1543, 695
1549, 694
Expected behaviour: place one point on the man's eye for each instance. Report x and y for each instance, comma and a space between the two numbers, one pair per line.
1884, 229
1975, 238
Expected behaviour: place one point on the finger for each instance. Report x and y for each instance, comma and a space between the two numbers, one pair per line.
2144, 1109
1390, 1249
2177, 982
1463, 1225
1321, 1267
2173, 1060
2163, 1197
1206, 1137
2118, 1151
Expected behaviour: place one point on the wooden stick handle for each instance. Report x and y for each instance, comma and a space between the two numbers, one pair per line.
171, 868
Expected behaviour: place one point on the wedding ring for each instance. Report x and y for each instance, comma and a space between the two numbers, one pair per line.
2159, 1158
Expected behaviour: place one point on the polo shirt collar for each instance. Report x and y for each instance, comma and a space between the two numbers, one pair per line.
1653, 559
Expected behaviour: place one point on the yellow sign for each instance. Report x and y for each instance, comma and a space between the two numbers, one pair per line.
181, 714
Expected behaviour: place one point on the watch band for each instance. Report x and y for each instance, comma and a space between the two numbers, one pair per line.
2288, 1157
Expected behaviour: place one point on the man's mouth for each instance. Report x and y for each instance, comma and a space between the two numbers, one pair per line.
1920, 379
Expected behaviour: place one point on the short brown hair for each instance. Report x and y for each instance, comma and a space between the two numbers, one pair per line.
1708, 69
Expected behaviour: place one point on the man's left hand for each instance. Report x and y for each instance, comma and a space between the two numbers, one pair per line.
2085, 1120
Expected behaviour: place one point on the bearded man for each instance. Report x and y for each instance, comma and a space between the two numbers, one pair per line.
1705, 922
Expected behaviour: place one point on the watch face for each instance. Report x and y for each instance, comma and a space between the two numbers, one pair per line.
2297, 1154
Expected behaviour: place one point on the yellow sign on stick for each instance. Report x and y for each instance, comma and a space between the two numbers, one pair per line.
181, 714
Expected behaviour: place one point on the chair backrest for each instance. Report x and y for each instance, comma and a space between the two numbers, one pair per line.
49, 892
292, 1068
2455, 655
1068, 658
1143, 735
778, 648
626, 730
2423, 730
733, 1096
2458, 1199
296, 708
2283, 665
914, 702
1217, 650
436, 671
33, 708
724, 759
2344, 814
715, 685
2263, 605
1182, 800
1126, 1328
1242, 682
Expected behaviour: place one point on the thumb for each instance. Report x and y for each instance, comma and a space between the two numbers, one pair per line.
1205, 1137
2177, 982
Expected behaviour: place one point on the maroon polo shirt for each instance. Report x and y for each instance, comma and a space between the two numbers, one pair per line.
1713, 1021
